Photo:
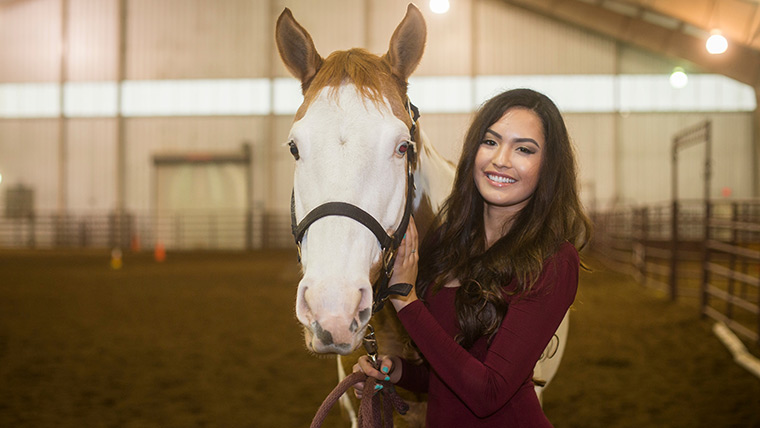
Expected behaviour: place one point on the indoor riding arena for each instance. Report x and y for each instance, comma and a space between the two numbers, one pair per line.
152, 178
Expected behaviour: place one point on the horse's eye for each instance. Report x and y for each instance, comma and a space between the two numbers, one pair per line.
294, 150
402, 148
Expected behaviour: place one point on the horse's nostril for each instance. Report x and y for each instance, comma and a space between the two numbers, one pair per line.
323, 335
354, 326
364, 315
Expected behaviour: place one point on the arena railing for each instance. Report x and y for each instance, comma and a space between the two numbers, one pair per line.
188, 230
713, 257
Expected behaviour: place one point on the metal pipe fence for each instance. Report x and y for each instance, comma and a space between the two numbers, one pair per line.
714, 255
193, 230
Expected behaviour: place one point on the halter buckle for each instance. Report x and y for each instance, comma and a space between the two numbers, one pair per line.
370, 345
387, 260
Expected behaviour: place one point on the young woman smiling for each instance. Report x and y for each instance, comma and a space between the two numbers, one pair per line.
497, 273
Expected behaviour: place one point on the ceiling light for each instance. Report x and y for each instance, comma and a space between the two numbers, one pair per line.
678, 79
439, 6
716, 44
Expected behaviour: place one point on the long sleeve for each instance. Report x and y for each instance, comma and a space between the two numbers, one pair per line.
414, 377
531, 320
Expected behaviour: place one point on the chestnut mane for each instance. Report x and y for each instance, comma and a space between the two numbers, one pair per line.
370, 74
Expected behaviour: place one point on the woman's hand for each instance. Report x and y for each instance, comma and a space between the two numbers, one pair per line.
390, 371
405, 268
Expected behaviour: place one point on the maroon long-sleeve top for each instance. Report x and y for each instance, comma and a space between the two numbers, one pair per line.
489, 386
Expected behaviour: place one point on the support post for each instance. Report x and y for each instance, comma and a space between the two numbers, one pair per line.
674, 223
248, 159
62, 203
644, 237
704, 300
121, 169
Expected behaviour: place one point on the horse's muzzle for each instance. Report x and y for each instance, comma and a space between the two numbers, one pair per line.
321, 341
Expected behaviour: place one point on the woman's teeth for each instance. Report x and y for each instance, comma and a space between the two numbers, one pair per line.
500, 179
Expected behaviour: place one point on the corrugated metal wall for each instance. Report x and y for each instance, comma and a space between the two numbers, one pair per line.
623, 157
31, 35
29, 156
515, 41
645, 159
192, 39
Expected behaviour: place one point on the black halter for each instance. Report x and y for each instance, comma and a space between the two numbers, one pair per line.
388, 243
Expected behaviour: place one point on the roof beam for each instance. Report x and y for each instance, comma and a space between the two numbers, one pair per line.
738, 62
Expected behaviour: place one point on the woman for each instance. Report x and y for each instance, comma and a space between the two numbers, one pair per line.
498, 272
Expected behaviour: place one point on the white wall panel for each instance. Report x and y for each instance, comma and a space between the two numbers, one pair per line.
449, 40
187, 39
514, 41
446, 132
593, 136
383, 18
645, 156
29, 156
333, 25
30, 46
93, 45
146, 137
92, 165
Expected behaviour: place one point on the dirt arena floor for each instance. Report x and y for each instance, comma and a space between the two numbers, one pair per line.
210, 340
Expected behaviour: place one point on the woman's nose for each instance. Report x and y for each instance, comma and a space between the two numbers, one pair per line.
502, 157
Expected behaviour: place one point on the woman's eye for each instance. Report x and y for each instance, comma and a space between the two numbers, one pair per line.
525, 150
488, 142
294, 150
402, 148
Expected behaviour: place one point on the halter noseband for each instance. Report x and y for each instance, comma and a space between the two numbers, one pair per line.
388, 243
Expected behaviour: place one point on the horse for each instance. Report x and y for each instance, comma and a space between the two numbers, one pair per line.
361, 165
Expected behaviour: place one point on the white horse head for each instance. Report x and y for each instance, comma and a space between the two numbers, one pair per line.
348, 139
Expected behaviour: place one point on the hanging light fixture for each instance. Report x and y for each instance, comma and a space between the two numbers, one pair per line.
678, 78
439, 6
716, 44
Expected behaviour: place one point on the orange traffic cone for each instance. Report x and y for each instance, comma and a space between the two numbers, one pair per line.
159, 253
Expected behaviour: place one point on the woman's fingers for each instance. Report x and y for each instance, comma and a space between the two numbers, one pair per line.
410, 243
358, 389
364, 365
412, 233
370, 370
401, 253
386, 367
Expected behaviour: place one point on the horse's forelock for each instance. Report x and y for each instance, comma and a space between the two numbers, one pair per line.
370, 74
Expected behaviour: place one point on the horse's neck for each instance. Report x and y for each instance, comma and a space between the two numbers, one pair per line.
434, 177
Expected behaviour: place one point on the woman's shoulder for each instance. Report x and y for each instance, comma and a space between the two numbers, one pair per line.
566, 253
559, 277
562, 265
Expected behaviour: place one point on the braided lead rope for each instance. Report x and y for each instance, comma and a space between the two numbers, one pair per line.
371, 404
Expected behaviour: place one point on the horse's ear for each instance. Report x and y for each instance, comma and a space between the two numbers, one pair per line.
296, 48
407, 43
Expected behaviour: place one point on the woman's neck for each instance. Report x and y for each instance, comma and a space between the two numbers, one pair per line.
496, 222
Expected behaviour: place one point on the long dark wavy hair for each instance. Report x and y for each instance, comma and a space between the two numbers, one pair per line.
456, 247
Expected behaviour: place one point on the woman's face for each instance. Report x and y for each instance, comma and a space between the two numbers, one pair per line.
508, 160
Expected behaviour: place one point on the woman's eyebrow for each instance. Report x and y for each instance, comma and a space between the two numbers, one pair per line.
489, 130
516, 140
